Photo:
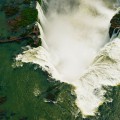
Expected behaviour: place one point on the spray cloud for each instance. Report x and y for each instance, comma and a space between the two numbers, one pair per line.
75, 31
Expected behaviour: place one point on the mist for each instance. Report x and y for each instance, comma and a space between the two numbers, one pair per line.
75, 31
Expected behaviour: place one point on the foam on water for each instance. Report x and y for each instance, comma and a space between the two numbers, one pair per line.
41, 57
103, 72
74, 39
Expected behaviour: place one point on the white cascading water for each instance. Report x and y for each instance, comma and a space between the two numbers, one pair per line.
73, 40
42, 21
39, 55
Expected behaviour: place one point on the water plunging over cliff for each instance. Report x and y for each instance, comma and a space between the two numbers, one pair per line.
74, 39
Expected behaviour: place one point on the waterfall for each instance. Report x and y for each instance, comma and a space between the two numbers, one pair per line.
41, 16
73, 41
103, 72
42, 36
41, 21
40, 55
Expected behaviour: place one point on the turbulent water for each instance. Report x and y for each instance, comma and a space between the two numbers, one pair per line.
74, 32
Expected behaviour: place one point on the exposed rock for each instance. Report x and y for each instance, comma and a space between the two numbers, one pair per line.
115, 25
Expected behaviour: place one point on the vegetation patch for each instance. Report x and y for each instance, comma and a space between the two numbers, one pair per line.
28, 16
11, 10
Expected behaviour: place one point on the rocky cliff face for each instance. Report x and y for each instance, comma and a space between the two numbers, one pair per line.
115, 25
